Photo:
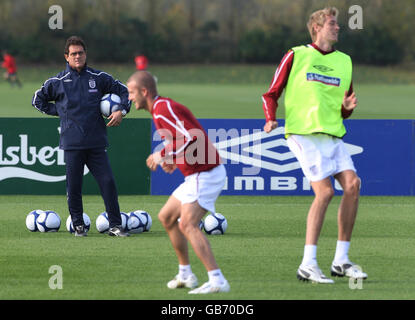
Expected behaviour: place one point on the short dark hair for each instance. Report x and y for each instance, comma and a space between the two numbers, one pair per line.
74, 41
144, 79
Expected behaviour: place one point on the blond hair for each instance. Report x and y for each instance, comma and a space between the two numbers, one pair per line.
319, 17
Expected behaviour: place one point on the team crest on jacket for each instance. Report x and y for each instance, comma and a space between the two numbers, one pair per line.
92, 83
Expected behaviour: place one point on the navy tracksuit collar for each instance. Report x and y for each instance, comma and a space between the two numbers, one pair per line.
71, 70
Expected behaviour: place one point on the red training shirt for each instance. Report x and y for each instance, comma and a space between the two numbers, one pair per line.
141, 62
9, 63
186, 142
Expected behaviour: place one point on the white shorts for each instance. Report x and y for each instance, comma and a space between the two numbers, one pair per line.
204, 187
320, 155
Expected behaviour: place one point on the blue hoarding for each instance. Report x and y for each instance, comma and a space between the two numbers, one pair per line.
258, 163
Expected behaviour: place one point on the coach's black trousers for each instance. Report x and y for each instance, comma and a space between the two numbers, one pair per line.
98, 163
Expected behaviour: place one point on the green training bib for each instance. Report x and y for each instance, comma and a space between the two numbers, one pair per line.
315, 91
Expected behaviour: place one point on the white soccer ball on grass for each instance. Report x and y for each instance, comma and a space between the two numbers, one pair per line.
145, 218
48, 221
135, 223
103, 225
215, 223
69, 224
31, 219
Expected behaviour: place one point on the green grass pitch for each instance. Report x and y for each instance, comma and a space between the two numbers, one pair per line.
229, 91
259, 254
263, 246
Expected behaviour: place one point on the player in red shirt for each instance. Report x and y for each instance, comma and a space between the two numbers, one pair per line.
187, 148
141, 62
9, 63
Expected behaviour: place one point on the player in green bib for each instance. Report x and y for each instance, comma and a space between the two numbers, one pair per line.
318, 96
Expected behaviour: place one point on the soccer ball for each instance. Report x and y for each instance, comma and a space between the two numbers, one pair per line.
31, 219
69, 224
48, 221
145, 218
201, 224
215, 223
135, 223
103, 225
108, 103
124, 220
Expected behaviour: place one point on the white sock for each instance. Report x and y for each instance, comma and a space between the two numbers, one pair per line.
184, 271
310, 255
216, 277
342, 250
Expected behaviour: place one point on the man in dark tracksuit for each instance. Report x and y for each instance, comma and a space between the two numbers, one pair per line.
76, 93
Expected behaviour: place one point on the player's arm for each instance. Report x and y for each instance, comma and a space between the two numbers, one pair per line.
43, 97
167, 167
6, 62
156, 159
349, 102
270, 98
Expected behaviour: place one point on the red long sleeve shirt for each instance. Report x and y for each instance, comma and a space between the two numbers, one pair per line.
9, 63
141, 62
270, 98
186, 142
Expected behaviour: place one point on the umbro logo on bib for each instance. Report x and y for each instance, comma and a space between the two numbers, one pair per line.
322, 68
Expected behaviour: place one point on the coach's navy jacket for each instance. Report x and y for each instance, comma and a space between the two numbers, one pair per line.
75, 98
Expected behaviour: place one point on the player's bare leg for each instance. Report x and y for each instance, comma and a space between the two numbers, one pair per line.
191, 215
309, 270
324, 192
168, 216
346, 218
15, 79
190, 218
350, 183
7, 77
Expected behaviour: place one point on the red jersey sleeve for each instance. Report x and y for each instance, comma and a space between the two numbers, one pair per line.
270, 98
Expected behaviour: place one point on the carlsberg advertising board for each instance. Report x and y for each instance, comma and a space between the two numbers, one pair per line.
32, 163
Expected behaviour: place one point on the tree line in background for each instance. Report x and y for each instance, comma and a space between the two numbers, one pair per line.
202, 31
